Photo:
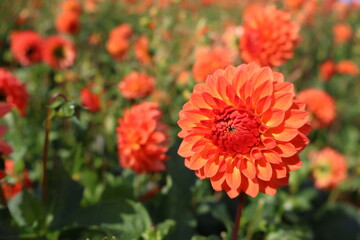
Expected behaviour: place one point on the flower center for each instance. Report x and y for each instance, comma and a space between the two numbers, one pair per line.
59, 52
235, 130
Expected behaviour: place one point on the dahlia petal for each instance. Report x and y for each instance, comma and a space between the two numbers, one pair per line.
221, 86
268, 187
194, 115
280, 170
283, 133
199, 145
246, 90
217, 181
251, 187
198, 101
229, 73
300, 141
273, 117
256, 154
306, 129
196, 161
239, 80
264, 170
284, 87
283, 100
233, 177
296, 118
271, 156
211, 167
263, 105
293, 162
248, 168
278, 77
212, 101
283, 181
264, 90
187, 144
285, 149
268, 142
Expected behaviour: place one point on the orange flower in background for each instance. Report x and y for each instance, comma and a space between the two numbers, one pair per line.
347, 67
142, 139
321, 106
5, 148
269, 36
136, 85
329, 168
68, 22
342, 32
26, 46
90, 100
207, 60
327, 70
20, 181
294, 5
71, 6
142, 50
243, 129
59, 52
13, 91
91, 5
118, 41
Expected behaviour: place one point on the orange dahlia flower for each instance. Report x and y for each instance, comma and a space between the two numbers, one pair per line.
342, 32
13, 91
208, 60
20, 181
142, 50
347, 67
68, 22
59, 52
269, 36
329, 168
142, 139
136, 85
327, 70
26, 46
118, 41
243, 129
320, 105
90, 100
71, 6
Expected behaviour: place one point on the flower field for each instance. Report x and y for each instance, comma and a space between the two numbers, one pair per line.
179, 119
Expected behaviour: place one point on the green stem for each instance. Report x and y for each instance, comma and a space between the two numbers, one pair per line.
46, 147
333, 195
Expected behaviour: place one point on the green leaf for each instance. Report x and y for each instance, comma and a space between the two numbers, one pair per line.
26, 209
124, 218
66, 110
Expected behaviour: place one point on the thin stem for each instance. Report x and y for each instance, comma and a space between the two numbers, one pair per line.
46, 147
238, 216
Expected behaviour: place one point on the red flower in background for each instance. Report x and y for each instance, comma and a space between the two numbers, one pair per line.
20, 181
142, 50
327, 70
73, 6
26, 46
118, 42
5, 148
90, 100
142, 139
321, 106
136, 85
243, 129
13, 91
208, 60
59, 52
329, 168
342, 32
347, 67
68, 22
269, 36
